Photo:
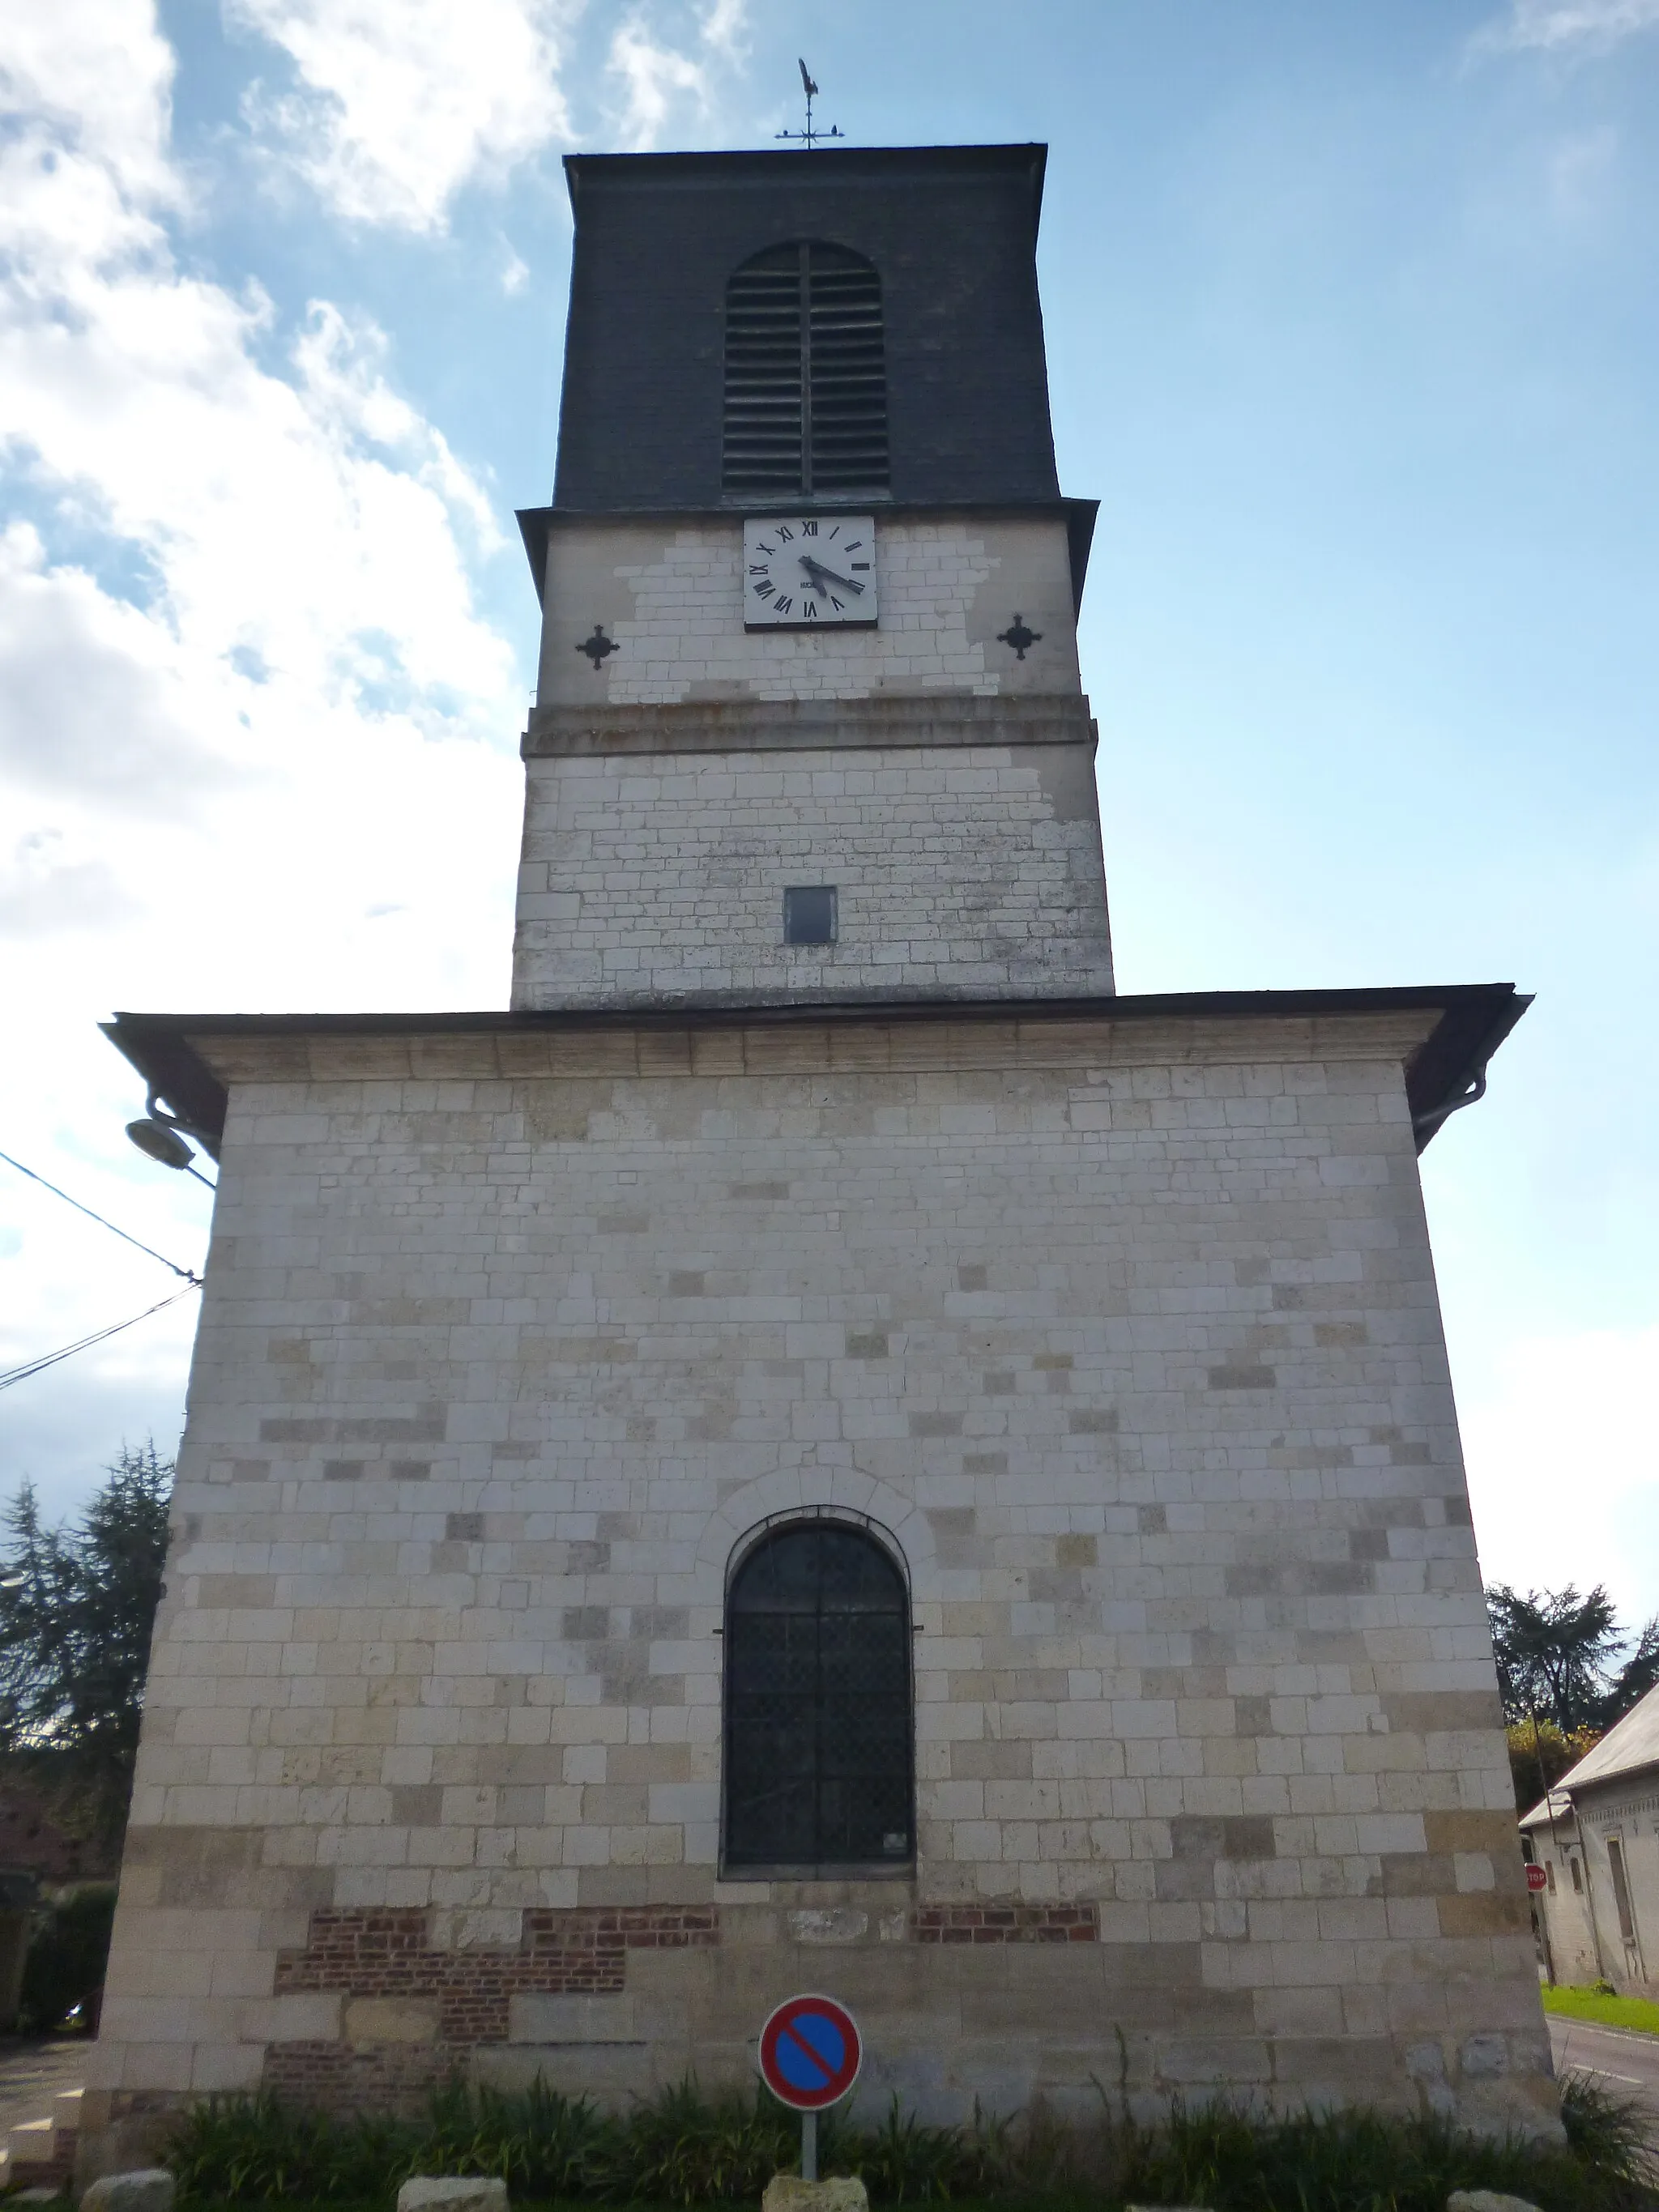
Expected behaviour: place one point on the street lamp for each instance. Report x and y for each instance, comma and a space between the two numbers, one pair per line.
157, 1136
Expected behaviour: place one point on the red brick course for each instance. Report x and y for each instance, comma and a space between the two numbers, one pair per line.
1005, 1923
580, 1952
392, 2078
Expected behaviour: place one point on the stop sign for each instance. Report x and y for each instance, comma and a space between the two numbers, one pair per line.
1536, 1878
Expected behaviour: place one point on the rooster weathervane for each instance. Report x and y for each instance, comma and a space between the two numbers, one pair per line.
810, 136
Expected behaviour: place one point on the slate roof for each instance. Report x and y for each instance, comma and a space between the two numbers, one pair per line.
1628, 1747
1558, 1806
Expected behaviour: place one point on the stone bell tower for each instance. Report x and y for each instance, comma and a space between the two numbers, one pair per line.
825, 1447
809, 721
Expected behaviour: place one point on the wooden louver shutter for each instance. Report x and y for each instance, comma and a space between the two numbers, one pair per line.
805, 374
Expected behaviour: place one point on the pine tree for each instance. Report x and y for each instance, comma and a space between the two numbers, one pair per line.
77, 1605
1552, 1649
1638, 1674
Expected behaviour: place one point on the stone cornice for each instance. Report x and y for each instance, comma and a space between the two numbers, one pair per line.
884, 719
874, 1045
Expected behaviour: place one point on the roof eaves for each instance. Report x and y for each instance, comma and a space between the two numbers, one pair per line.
1474, 1018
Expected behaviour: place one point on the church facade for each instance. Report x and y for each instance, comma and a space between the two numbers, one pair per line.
825, 1446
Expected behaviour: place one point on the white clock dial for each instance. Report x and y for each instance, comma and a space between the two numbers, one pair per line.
809, 572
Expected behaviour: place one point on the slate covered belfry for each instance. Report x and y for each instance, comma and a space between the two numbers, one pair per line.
826, 1448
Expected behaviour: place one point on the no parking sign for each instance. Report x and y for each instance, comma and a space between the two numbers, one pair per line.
810, 2056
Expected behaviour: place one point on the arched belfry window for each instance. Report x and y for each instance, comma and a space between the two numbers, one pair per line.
818, 1703
805, 373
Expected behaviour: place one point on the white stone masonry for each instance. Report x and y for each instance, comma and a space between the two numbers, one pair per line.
959, 869
670, 597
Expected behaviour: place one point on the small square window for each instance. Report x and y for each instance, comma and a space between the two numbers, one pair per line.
809, 914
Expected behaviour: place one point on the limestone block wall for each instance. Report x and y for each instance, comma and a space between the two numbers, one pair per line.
668, 594
1122, 1336
960, 869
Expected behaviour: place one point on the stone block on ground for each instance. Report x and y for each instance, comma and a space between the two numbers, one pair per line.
150, 2189
472, 2193
1486, 2200
787, 2192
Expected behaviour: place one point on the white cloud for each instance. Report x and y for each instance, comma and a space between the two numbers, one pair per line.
1563, 1464
723, 28
97, 75
1564, 25
398, 104
660, 81
654, 77
271, 767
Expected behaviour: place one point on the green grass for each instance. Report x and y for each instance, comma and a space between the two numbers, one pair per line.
1607, 2010
685, 2150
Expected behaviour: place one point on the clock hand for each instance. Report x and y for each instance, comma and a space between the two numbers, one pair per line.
815, 570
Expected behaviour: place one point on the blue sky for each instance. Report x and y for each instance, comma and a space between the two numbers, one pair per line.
1352, 319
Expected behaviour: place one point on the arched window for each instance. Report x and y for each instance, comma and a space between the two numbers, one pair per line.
805, 373
818, 1703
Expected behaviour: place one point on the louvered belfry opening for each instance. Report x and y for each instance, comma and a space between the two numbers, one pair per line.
818, 1703
805, 373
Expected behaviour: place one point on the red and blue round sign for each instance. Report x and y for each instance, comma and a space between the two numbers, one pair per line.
809, 2053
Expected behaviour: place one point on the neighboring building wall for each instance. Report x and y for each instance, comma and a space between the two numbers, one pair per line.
1623, 1814
31, 1839
1564, 1906
1125, 1335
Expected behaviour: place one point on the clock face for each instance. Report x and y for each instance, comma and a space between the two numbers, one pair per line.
809, 572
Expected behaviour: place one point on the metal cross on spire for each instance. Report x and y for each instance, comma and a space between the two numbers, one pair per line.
810, 136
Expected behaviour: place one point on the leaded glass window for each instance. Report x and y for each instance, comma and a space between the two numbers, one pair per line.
818, 1703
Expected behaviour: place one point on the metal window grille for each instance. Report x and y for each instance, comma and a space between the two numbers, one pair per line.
819, 1770
805, 373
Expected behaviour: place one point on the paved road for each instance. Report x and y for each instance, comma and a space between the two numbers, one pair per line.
1627, 2060
31, 2074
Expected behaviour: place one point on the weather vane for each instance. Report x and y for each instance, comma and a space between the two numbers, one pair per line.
810, 136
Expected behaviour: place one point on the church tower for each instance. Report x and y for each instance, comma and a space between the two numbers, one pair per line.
825, 1447
809, 722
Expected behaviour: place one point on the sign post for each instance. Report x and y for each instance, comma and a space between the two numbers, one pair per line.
1537, 1882
810, 2056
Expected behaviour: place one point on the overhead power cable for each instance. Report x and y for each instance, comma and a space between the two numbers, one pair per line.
11, 1375
186, 1275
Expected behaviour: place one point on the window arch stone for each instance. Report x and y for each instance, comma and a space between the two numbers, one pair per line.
819, 1758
